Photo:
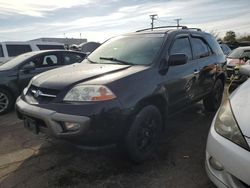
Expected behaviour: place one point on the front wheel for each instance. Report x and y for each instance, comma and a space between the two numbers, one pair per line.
144, 133
213, 100
6, 101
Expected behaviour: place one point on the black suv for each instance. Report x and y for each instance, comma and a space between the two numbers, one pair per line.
123, 91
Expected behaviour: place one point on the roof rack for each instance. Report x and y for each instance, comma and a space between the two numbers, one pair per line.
162, 27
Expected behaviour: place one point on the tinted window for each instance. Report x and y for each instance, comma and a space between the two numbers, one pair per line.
49, 47
181, 46
1, 51
216, 49
225, 49
200, 48
49, 60
70, 58
15, 50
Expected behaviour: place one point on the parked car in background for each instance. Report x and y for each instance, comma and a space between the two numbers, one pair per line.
235, 59
9, 50
17, 72
228, 144
225, 48
89, 47
125, 89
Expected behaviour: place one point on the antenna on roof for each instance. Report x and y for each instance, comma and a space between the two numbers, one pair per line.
178, 22
152, 17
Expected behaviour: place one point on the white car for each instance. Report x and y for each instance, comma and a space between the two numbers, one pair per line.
9, 50
228, 151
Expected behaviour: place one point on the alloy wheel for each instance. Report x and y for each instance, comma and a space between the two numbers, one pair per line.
4, 102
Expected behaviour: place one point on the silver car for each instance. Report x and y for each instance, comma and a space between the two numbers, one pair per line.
228, 151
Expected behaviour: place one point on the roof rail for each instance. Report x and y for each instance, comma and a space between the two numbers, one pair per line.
162, 27
193, 28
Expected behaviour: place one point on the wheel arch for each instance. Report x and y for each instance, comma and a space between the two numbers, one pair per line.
160, 101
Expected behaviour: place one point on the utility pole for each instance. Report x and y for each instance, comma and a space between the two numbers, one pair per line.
178, 22
153, 18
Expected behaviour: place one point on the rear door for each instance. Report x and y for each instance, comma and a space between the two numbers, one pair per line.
41, 63
205, 62
181, 79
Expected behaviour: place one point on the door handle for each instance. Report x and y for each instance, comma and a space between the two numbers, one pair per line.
196, 72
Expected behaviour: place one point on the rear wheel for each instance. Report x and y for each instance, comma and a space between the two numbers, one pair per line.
213, 100
144, 133
6, 101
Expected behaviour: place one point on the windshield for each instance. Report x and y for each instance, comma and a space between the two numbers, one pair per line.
15, 61
132, 50
236, 54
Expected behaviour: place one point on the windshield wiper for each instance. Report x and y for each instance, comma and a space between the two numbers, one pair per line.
116, 60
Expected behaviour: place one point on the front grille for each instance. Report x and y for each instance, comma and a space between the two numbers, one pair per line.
40, 95
230, 71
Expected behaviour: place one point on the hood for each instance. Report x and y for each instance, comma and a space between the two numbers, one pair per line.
73, 74
234, 62
240, 102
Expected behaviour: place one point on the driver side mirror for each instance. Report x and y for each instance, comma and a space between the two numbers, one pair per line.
28, 67
177, 59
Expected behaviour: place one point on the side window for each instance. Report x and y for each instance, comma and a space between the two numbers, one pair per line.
181, 46
70, 58
50, 60
200, 48
17, 49
1, 51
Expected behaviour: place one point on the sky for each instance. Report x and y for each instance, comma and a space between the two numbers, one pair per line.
98, 20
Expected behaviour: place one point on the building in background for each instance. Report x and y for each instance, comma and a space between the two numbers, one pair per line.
66, 41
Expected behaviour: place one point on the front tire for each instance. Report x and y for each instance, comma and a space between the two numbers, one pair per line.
144, 133
213, 100
6, 101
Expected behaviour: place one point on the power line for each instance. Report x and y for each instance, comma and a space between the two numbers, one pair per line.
153, 18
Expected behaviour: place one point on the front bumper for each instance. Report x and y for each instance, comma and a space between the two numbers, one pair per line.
95, 130
234, 159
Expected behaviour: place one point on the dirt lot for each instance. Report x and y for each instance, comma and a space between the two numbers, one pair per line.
28, 160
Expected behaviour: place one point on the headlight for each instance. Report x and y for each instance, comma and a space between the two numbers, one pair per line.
226, 126
89, 93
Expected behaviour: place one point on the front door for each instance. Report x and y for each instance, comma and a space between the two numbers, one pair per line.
181, 80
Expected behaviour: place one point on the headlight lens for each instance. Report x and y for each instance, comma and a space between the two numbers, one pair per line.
89, 93
226, 126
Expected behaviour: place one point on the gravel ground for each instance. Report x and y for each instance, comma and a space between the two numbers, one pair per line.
28, 160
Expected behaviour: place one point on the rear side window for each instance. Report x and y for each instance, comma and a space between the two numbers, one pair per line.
200, 48
181, 46
1, 51
214, 44
70, 58
49, 47
17, 49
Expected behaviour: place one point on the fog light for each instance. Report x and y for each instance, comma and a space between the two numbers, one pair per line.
215, 164
70, 126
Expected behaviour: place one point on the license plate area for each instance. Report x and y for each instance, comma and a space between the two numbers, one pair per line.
31, 125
